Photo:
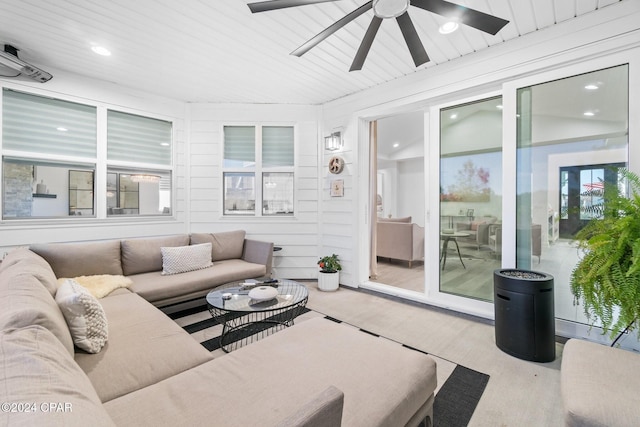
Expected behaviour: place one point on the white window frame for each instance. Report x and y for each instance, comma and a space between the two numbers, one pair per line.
100, 161
258, 170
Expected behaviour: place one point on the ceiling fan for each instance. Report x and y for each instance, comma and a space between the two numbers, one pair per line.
387, 9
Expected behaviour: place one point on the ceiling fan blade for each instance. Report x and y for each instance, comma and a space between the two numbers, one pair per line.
471, 17
365, 45
418, 53
265, 6
332, 29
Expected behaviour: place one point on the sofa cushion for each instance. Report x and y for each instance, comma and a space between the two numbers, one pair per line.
324, 410
144, 255
81, 259
317, 354
224, 245
599, 385
162, 290
144, 347
37, 369
84, 315
25, 301
34, 264
475, 224
181, 259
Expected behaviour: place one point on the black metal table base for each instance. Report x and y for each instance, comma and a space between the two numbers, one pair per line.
239, 329
445, 246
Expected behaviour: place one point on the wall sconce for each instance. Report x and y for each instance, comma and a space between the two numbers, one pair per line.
333, 142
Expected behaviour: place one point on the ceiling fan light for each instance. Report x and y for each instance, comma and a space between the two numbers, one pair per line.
390, 8
448, 27
100, 50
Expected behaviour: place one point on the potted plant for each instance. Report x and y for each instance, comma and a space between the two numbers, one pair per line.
607, 277
329, 276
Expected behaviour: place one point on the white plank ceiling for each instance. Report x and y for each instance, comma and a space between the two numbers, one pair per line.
218, 51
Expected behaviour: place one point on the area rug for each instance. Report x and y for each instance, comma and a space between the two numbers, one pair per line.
454, 403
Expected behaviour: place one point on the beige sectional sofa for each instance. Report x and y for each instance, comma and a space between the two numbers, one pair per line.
151, 372
234, 258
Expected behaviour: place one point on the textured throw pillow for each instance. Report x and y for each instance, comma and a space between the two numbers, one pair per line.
85, 317
181, 259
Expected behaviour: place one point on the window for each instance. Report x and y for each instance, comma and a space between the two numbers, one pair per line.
43, 140
51, 154
39, 125
139, 165
138, 192
39, 189
258, 166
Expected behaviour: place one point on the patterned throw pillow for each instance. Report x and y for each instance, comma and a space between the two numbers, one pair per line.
85, 316
180, 259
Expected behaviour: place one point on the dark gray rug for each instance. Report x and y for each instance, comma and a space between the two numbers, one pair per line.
457, 399
454, 403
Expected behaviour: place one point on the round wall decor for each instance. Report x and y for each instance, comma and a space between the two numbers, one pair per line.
336, 164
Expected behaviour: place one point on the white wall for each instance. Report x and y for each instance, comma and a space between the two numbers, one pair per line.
298, 236
411, 190
56, 180
149, 198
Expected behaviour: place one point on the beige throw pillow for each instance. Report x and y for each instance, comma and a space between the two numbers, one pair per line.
181, 259
85, 316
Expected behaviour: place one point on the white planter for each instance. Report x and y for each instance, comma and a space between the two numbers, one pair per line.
328, 281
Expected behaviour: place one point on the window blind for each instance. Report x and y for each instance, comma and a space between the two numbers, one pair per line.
37, 124
138, 139
239, 146
277, 146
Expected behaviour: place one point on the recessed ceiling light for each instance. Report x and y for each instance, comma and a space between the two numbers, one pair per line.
396, 145
100, 50
448, 27
589, 113
591, 87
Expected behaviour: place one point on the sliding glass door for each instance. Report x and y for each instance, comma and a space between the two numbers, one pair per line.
572, 136
470, 203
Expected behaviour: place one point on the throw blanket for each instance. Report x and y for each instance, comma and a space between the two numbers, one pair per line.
100, 285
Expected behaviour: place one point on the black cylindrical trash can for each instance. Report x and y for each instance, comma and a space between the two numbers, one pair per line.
524, 314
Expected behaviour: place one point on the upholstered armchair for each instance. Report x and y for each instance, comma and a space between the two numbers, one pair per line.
495, 239
478, 230
400, 240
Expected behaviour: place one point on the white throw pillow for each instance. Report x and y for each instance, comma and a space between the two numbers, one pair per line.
85, 316
180, 259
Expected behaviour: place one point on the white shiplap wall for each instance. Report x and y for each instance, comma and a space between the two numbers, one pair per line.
338, 214
298, 236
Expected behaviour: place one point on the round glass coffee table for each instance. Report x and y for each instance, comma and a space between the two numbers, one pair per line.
246, 320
